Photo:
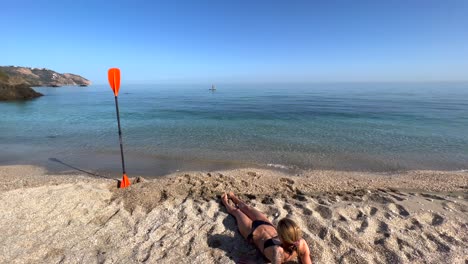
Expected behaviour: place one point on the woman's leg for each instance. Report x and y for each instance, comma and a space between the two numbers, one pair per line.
251, 212
244, 223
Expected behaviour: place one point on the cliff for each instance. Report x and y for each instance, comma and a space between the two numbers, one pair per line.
16, 92
41, 77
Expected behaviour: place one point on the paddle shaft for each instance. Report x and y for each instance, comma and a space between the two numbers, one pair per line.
120, 133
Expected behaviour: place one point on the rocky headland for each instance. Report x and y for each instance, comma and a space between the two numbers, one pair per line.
17, 92
42, 77
16, 82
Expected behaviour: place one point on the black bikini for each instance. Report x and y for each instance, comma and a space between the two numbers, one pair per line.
268, 242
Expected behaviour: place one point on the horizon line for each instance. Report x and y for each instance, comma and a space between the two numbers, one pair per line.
282, 82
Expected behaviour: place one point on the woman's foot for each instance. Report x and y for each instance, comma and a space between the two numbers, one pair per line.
229, 207
234, 198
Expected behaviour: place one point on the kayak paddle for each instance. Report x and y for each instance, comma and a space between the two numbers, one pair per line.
114, 81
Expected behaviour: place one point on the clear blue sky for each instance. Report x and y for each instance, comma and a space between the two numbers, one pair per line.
240, 41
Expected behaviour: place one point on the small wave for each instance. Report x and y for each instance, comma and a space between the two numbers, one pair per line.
279, 166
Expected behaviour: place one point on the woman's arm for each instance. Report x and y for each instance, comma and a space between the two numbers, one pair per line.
304, 252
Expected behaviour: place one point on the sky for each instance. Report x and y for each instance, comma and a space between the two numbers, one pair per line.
240, 41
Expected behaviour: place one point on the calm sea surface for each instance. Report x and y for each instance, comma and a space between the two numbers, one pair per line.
370, 126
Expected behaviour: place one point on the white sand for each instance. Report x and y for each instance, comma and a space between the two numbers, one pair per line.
414, 217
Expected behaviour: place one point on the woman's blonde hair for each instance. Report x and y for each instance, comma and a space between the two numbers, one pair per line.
289, 233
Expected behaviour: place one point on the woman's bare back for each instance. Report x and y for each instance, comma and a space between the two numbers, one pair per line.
254, 225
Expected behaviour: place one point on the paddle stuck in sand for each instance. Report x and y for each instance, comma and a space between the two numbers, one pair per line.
114, 81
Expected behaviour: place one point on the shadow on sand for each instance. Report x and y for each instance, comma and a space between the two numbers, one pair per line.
236, 248
78, 169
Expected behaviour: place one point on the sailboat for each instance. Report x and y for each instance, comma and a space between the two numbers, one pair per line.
213, 88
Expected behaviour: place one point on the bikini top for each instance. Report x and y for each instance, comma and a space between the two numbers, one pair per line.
269, 243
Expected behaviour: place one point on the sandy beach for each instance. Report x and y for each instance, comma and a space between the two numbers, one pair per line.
346, 217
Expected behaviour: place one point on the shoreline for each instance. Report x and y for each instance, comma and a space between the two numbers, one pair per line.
153, 166
351, 217
257, 181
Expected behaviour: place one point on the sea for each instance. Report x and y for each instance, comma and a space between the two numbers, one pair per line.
381, 127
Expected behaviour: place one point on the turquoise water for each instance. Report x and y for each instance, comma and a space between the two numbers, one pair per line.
359, 126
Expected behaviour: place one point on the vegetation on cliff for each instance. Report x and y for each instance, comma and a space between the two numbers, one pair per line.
16, 82
41, 77
9, 91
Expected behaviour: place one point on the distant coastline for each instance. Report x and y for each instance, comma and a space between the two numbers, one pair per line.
38, 77
16, 82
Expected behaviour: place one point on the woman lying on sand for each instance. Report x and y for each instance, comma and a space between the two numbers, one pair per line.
277, 245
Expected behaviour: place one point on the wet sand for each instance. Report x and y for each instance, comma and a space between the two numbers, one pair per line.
346, 217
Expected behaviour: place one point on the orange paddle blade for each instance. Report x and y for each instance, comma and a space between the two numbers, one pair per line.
114, 80
125, 181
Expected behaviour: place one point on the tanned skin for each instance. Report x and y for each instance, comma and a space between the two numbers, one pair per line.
245, 215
